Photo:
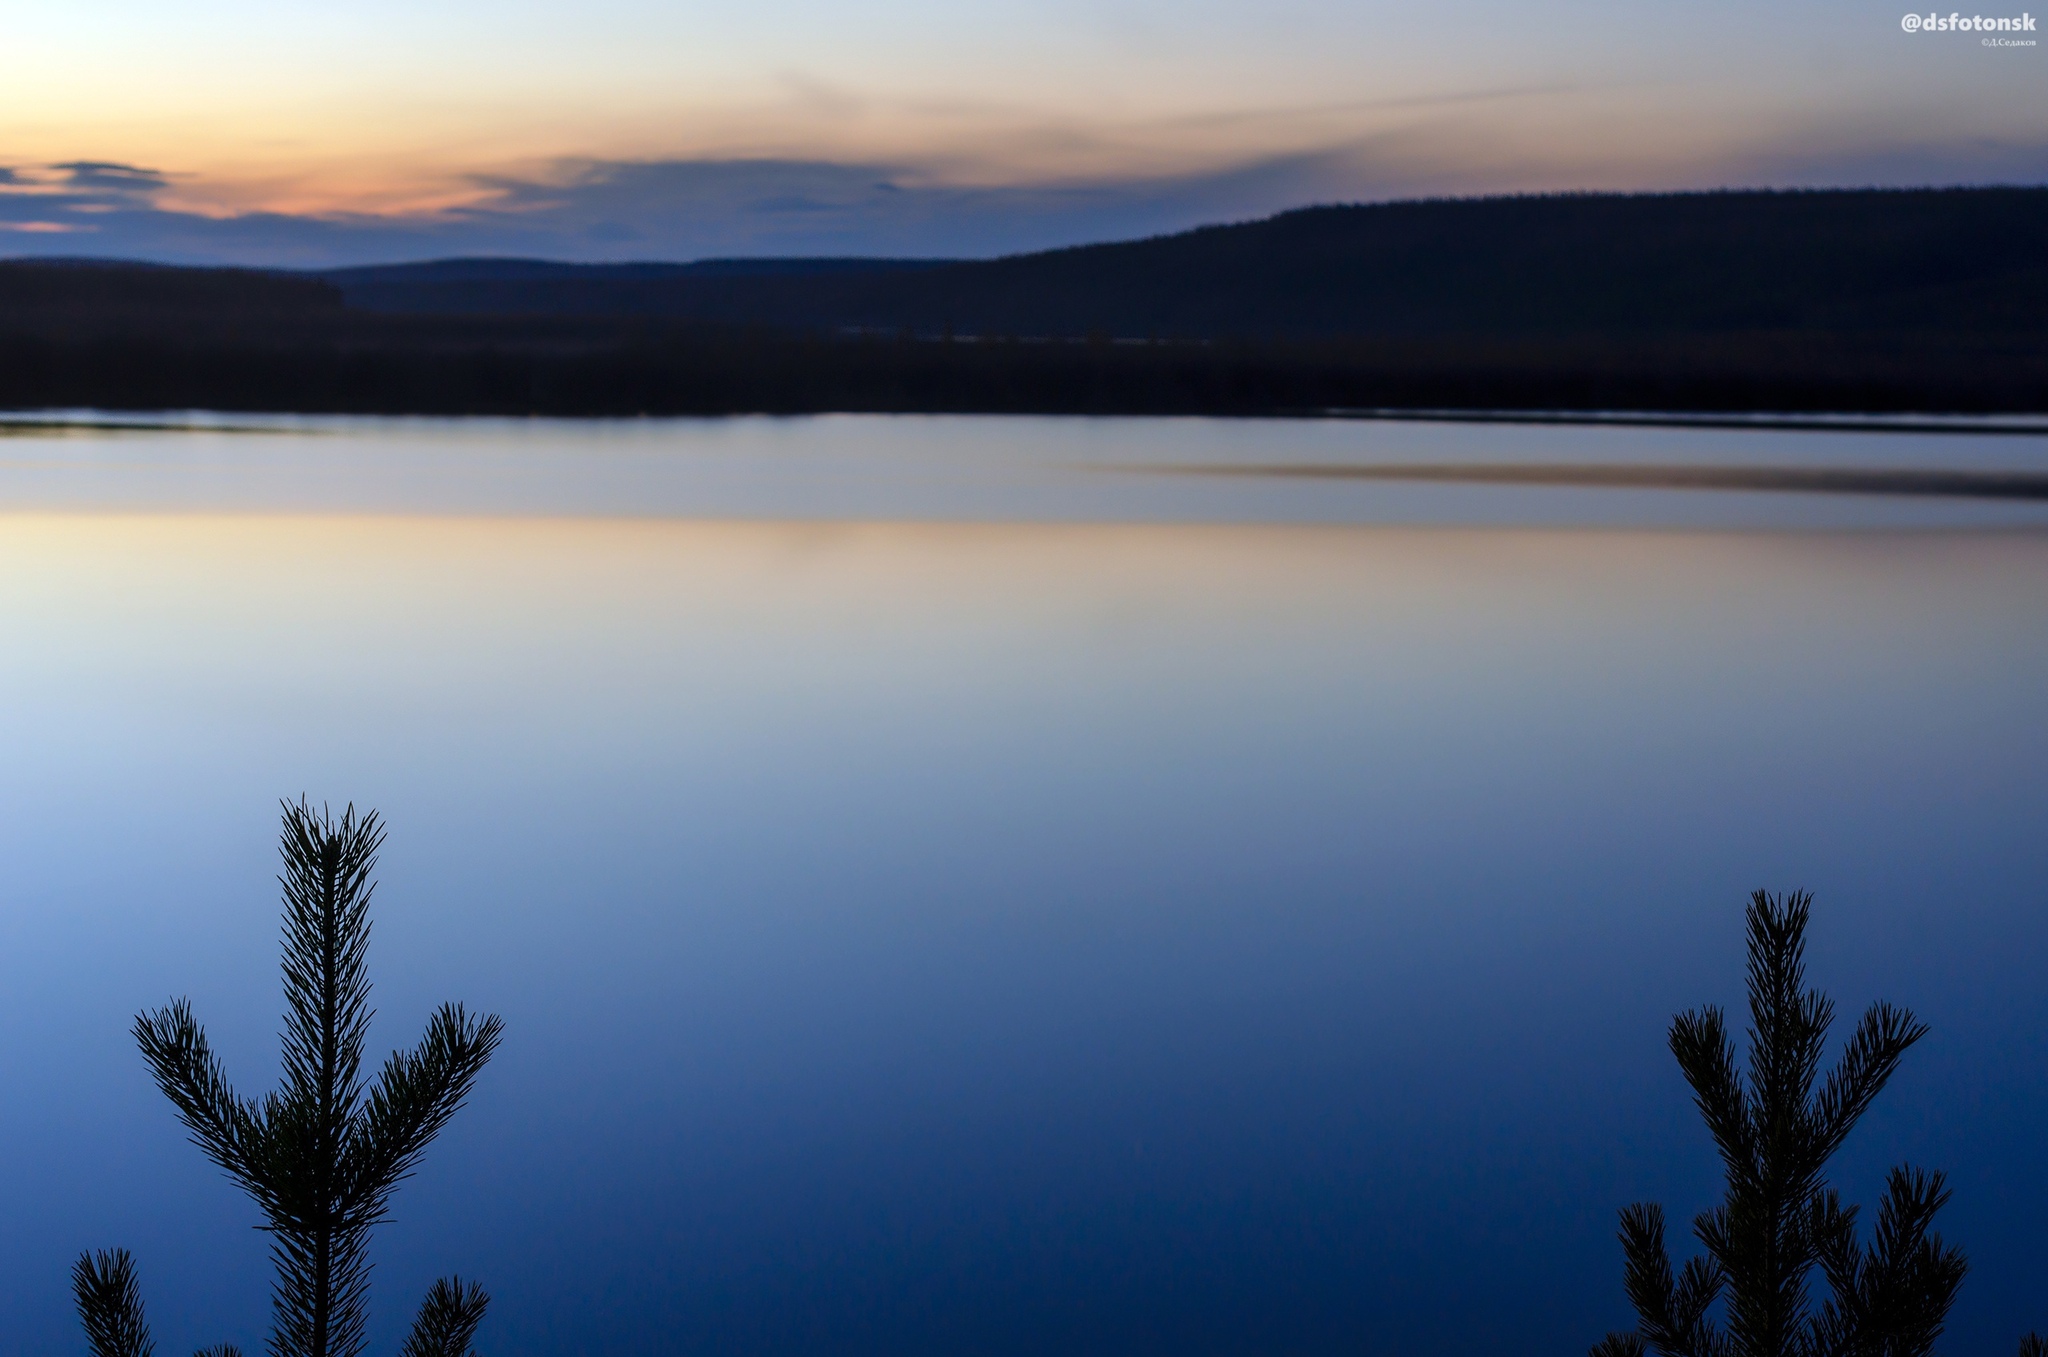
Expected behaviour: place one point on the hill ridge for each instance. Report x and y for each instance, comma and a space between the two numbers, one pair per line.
1527, 263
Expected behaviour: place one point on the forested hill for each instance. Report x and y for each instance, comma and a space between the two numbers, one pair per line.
72, 293
1949, 260
1879, 301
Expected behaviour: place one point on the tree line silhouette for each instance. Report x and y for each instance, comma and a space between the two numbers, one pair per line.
1960, 261
1875, 300
573, 367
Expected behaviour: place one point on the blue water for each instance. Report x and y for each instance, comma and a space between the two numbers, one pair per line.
954, 886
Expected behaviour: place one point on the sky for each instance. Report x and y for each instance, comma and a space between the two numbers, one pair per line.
293, 133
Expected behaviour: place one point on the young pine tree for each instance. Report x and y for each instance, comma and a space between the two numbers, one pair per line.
1779, 1219
321, 1155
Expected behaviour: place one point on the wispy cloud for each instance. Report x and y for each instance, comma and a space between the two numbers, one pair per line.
107, 177
63, 199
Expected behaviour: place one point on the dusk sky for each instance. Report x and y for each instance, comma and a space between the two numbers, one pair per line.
310, 134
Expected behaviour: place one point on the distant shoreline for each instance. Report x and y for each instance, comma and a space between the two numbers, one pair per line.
351, 363
30, 421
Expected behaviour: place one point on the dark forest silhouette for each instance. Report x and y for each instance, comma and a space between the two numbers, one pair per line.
1956, 260
1874, 300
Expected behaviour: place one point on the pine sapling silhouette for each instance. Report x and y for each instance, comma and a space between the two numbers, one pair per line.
1779, 1219
321, 1155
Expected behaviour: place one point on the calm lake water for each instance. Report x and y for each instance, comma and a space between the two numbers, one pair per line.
986, 886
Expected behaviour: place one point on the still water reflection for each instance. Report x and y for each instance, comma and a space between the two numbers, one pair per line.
950, 895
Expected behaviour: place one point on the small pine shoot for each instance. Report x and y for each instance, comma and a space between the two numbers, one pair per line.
1776, 1126
321, 1155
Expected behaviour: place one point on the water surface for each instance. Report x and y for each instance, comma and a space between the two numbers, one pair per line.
964, 886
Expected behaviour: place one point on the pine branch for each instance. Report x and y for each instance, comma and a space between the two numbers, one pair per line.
412, 1101
1706, 1057
110, 1304
1700, 1284
1647, 1277
1868, 1062
1842, 1261
319, 1245
1782, 1017
1910, 1277
1837, 1328
221, 1124
448, 1320
1787, 1036
1769, 1247
1670, 1313
327, 892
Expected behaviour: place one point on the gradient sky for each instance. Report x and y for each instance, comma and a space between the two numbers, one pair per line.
615, 129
